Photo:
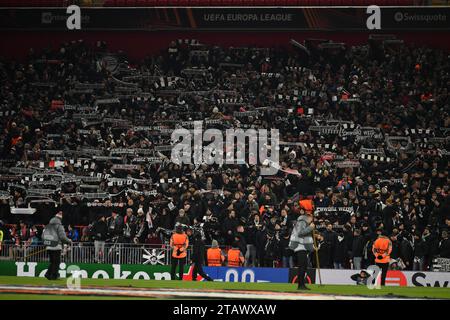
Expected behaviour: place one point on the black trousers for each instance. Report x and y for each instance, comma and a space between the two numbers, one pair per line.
302, 264
384, 269
53, 268
198, 269
177, 262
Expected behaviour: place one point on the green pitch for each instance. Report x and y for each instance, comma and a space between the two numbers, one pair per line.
410, 292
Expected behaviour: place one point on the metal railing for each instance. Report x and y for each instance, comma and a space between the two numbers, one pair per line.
83, 252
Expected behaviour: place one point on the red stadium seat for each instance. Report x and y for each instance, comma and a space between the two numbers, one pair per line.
141, 3
259, 2
228, 3
160, 3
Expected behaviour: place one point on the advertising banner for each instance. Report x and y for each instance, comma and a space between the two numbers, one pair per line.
231, 18
225, 274
146, 272
93, 271
393, 278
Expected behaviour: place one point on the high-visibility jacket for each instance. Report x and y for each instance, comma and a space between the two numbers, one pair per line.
235, 258
307, 205
179, 243
215, 257
382, 248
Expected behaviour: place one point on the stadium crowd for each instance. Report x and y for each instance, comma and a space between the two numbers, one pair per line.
363, 134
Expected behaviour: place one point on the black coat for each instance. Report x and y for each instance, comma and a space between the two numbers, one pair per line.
395, 249
99, 230
420, 248
271, 249
406, 252
330, 238
388, 214
444, 248
340, 251
358, 246
285, 251
324, 255
198, 251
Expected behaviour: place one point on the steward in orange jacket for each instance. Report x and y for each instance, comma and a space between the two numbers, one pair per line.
235, 257
382, 248
214, 255
179, 243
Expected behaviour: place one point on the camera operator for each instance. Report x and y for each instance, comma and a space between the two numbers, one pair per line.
198, 257
211, 225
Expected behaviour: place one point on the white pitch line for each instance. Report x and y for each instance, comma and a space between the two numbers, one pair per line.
180, 293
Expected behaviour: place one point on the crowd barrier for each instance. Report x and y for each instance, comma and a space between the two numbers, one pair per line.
81, 252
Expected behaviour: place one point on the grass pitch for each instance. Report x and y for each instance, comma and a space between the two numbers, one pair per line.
406, 292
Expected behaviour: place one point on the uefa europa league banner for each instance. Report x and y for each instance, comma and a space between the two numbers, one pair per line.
221, 274
234, 18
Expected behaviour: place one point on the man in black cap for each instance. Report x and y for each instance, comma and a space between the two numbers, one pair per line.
53, 237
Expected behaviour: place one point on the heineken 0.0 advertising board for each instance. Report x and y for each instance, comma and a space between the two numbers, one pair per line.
94, 271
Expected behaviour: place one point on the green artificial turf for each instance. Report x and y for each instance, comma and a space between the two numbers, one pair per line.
410, 292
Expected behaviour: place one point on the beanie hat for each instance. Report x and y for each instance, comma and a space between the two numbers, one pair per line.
214, 244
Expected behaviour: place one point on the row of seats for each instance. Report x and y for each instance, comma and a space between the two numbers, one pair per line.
181, 3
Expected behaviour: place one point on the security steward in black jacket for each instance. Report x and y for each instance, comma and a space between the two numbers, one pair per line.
198, 258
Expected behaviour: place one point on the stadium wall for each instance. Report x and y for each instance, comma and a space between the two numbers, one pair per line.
138, 44
225, 274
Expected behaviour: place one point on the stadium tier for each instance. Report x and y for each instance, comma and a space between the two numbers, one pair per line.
363, 145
